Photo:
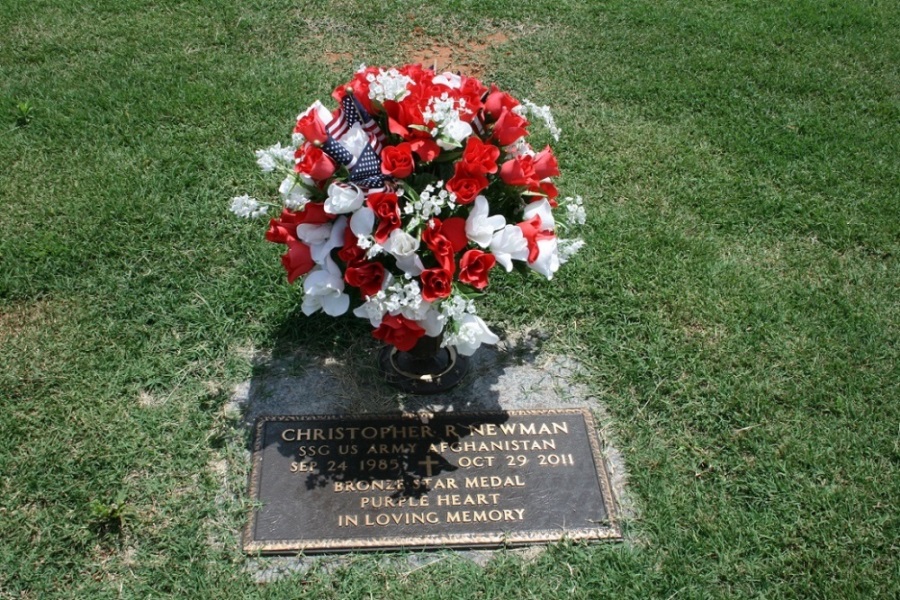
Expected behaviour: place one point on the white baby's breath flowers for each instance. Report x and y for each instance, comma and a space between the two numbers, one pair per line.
432, 200
374, 250
528, 107
388, 85
398, 298
445, 112
519, 148
274, 157
568, 248
456, 306
575, 213
293, 194
247, 207
472, 333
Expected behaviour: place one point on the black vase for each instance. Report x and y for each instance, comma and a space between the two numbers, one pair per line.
427, 368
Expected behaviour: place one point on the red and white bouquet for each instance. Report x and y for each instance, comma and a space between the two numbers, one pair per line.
407, 195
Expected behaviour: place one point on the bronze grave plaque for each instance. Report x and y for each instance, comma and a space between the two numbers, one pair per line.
465, 480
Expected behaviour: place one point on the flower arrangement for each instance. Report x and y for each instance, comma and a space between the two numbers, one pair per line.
407, 195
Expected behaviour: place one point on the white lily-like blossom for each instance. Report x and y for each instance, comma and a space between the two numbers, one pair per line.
547, 262
362, 223
323, 289
293, 195
313, 233
322, 238
543, 209
451, 80
432, 322
480, 227
343, 199
454, 131
372, 309
355, 141
472, 333
509, 244
321, 251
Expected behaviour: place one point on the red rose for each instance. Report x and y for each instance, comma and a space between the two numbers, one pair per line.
284, 228
426, 148
474, 266
466, 183
519, 172
498, 101
397, 161
549, 190
454, 229
443, 252
298, 260
385, 207
436, 284
313, 162
545, 164
280, 232
351, 253
473, 91
313, 213
359, 87
480, 157
311, 127
399, 332
509, 127
402, 115
367, 276
445, 239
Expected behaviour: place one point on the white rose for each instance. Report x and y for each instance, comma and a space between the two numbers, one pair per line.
404, 247
343, 199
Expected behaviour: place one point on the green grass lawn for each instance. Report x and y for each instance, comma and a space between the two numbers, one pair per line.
737, 306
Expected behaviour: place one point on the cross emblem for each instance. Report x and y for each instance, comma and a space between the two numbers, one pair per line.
428, 463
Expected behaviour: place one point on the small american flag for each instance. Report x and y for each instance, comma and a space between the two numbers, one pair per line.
337, 151
365, 171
